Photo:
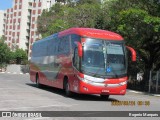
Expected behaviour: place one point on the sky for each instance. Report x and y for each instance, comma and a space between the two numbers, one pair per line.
5, 4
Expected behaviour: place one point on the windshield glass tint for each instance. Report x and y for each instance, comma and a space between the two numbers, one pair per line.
103, 58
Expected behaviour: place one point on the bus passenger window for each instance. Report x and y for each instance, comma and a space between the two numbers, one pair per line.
76, 59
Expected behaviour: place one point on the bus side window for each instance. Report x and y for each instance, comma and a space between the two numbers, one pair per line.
66, 44
52, 46
74, 40
76, 59
63, 46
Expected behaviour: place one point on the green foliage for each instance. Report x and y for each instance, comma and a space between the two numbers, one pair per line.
89, 1
139, 23
20, 55
4, 51
61, 17
7, 56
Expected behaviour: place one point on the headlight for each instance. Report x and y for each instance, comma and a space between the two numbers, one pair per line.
84, 79
123, 83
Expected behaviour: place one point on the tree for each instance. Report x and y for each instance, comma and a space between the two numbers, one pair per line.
88, 1
61, 17
4, 51
139, 23
20, 56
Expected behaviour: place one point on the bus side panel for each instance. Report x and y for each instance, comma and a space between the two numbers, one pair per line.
33, 71
66, 65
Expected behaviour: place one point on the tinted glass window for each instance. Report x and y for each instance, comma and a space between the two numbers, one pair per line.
52, 46
63, 46
74, 40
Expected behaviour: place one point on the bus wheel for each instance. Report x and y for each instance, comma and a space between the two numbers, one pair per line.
37, 82
104, 97
67, 89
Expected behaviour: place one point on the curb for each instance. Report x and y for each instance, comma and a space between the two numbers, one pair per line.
138, 92
14, 73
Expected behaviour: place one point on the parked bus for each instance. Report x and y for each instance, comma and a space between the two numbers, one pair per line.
82, 60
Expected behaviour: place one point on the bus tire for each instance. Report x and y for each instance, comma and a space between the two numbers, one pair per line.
104, 97
37, 82
67, 88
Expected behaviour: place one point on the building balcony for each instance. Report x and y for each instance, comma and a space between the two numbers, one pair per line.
30, 1
27, 33
29, 7
28, 20
28, 26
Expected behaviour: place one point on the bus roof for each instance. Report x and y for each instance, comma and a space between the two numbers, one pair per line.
92, 32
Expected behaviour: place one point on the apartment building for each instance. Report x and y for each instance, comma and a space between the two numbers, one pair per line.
19, 23
2, 20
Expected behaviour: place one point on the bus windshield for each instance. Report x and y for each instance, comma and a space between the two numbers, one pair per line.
104, 58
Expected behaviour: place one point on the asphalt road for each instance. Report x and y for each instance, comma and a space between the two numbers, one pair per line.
18, 93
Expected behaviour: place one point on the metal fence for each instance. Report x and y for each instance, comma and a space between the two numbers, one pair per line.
136, 82
154, 82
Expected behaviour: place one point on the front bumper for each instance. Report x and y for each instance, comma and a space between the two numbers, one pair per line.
104, 89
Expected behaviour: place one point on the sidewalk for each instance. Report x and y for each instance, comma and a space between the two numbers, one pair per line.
16, 69
144, 93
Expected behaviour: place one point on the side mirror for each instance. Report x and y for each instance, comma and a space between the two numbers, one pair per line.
133, 52
80, 49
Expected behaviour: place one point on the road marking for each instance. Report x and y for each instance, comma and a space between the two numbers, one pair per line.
36, 107
134, 91
15, 73
156, 95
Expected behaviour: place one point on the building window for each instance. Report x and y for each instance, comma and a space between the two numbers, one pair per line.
39, 11
32, 33
18, 27
15, 7
19, 13
17, 41
31, 40
20, 6
32, 26
13, 34
14, 23
19, 20
33, 12
14, 27
33, 19
14, 20
39, 4
15, 13
16, 1
34, 4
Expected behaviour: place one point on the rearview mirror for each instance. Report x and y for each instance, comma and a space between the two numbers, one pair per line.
133, 53
80, 49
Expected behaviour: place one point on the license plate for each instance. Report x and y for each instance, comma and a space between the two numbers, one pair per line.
105, 91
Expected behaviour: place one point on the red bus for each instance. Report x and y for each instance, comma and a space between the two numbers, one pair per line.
82, 60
